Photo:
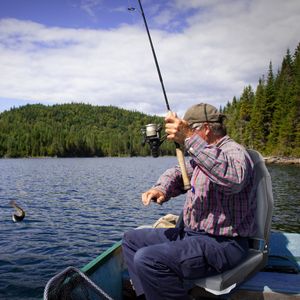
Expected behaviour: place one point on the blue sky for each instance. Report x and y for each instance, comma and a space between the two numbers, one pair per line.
66, 13
97, 52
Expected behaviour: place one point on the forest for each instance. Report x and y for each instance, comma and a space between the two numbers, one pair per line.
266, 118
74, 130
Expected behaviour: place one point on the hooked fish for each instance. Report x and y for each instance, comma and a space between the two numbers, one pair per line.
20, 214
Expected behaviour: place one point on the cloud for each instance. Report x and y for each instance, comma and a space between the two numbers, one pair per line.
90, 6
221, 47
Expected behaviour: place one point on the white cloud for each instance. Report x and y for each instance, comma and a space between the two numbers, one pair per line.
89, 7
224, 47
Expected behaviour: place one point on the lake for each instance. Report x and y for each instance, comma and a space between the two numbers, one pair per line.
78, 207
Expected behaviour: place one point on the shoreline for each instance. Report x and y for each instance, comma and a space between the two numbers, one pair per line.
282, 160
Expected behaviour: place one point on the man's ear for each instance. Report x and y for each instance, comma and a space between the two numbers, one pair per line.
207, 129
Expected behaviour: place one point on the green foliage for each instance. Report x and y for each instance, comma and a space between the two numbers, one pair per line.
74, 130
269, 119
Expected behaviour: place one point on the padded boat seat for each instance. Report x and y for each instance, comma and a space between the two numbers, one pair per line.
258, 253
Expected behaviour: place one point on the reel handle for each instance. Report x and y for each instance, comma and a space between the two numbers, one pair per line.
180, 158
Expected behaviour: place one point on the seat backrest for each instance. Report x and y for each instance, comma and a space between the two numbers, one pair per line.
264, 197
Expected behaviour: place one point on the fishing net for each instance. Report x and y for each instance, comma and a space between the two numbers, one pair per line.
72, 284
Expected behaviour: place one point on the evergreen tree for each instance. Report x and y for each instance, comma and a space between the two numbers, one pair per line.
256, 125
245, 108
285, 106
268, 108
296, 146
232, 112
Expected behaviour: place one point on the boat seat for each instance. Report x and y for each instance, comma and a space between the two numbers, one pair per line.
259, 244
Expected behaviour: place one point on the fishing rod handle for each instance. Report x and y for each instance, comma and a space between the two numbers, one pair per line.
181, 161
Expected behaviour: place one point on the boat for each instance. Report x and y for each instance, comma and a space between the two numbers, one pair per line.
106, 276
270, 270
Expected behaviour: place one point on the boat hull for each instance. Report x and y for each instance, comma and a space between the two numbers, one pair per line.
281, 281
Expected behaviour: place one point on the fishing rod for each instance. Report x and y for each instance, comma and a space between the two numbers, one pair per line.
154, 56
151, 128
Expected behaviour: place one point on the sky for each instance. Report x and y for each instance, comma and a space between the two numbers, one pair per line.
98, 52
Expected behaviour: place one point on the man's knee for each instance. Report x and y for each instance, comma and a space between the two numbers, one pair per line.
128, 236
143, 259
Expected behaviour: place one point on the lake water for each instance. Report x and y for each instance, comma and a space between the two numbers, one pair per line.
76, 208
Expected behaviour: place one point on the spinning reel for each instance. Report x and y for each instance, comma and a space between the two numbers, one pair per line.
152, 136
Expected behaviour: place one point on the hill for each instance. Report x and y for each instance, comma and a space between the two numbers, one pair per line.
74, 130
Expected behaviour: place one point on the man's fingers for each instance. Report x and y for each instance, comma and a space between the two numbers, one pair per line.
160, 200
152, 195
146, 198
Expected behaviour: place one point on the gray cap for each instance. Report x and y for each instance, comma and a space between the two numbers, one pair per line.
201, 113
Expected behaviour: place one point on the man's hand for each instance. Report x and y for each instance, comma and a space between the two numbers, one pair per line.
153, 195
177, 129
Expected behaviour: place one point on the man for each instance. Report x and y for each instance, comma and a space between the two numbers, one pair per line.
218, 213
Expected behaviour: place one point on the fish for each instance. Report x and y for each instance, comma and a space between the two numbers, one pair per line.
20, 214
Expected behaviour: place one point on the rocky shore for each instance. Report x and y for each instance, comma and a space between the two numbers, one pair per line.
282, 160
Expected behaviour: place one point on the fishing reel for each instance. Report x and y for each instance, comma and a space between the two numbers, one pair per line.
152, 136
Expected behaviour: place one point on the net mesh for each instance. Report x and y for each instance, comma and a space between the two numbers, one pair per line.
72, 284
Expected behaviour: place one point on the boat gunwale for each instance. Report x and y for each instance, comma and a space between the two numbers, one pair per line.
100, 259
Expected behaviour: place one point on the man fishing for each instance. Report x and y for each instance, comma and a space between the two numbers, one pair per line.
218, 214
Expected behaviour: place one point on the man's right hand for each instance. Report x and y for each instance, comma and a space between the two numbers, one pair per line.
153, 195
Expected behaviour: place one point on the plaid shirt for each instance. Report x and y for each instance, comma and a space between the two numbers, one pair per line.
219, 201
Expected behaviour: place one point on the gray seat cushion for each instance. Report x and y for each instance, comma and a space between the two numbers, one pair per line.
224, 280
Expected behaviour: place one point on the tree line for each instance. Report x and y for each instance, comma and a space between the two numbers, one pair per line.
268, 119
74, 130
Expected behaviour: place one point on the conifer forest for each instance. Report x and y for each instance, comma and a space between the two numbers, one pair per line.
268, 118
265, 118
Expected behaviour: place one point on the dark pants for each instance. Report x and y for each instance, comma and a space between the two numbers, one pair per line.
159, 259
